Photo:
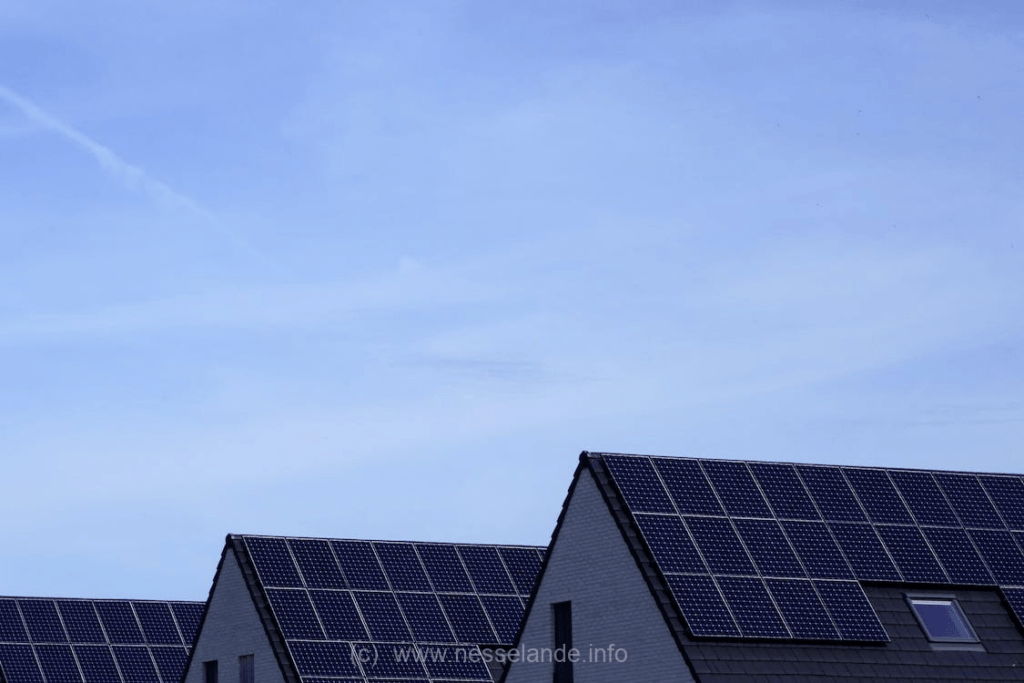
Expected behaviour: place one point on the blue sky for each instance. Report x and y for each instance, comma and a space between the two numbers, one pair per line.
384, 269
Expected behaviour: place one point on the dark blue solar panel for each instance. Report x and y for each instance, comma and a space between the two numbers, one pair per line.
785, 491
295, 614
851, 611
702, 605
386, 663
720, 545
865, 552
769, 548
323, 659
969, 500
817, 550
958, 556
670, 544
463, 669
1015, 596
360, 565
831, 493
749, 601
119, 622
402, 566
317, 563
380, 611
170, 661
157, 623
505, 612
638, 483
802, 609
273, 562
688, 486
878, 496
736, 489
12, 630
97, 664
425, 618
136, 664
924, 498
80, 621
524, 566
486, 569
188, 615
338, 615
467, 617
58, 664
1008, 495
43, 622
19, 665
445, 568
1001, 553
912, 555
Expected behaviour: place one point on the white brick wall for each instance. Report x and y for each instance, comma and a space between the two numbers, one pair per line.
611, 604
232, 628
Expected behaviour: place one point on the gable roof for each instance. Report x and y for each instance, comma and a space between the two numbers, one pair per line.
72, 640
327, 604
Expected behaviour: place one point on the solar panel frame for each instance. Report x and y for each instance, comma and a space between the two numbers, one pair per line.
912, 554
924, 498
753, 608
170, 661
688, 487
817, 550
383, 617
785, 492
769, 548
703, 607
969, 500
878, 495
157, 623
80, 621
274, 562
720, 546
97, 663
736, 489
506, 614
360, 564
402, 566
523, 566
958, 556
486, 569
444, 567
863, 549
425, 617
468, 619
43, 621
802, 609
295, 614
58, 663
851, 611
188, 615
136, 664
831, 493
19, 663
639, 483
670, 543
317, 563
1001, 554
338, 614
1007, 494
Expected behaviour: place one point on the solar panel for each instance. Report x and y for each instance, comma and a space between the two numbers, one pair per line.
119, 622
402, 566
316, 560
815, 547
360, 565
688, 486
1015, 598
769, 548
485, 569
670, 543
524, 566
12, 630
445, 568
864, 550
878, 496
338, 615
802, 609
754, 610
720, 546
188, 616
829, 490
785, 491
505, 613
19, 664
969, 500
295, 614
273, 562
386, 665
957, 554
468, 619
851, 611
1008, 495
136, 664
382, 616
323, 659
97, 663
702, 605
736, 489
925, 499
1001, 554
425, 617
914, 558
58, 664
42, 620
81, 622
170, 661
157, 623
639, 484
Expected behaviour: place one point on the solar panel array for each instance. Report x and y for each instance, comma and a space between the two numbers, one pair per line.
771, 550
46, 640
348, 608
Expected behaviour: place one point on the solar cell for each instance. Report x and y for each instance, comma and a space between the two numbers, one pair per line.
295, 614
506, 612
402, 566
829, 490
815, 547
12, 630
785, 491
136, 664
338, 615
323, 659
188, 616
769, 548
702, 605
170, 661
640, 486
851, 611
360, 565
670, 543
97, 664
865, 552
425, 617
1008, 495
688, 486
467, 618
878, 496
914, 558
524, 566
58, 664
969, 500
445, 568
317, 563
485, 569
42, 620
19, 664
80, 621
720, 546
924, 498
802, 609
118, 621
749, 601
157, 623
380, 611
736, 489
957, 554
273, 562
1001, 554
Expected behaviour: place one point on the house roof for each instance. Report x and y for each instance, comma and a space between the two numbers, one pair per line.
71, 640
346, 608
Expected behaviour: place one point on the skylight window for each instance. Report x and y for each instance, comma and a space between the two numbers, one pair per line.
942, 620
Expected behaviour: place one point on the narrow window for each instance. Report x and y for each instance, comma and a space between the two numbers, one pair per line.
942, 620
563, 642
210, 672
246, 672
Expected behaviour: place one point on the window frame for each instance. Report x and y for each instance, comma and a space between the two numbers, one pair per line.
914, 599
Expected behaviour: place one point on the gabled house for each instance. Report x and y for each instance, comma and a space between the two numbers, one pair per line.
70, 640
316, 610
672, 569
